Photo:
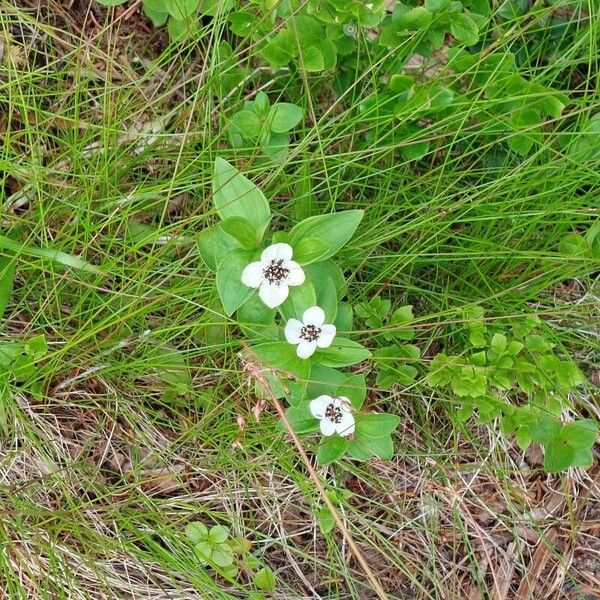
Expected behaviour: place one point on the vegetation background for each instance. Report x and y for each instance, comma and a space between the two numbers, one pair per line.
141, 417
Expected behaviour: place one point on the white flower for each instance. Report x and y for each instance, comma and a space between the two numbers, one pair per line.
273, 273
310, 333
335, 415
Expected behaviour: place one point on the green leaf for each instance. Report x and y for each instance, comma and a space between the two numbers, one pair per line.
354, 387
214, 245
157, 17
222, 555
240, 229
331, 448
325, 520
7, 277
218, 534
312, 59
342, 353
580, 434
300, 298
196, 532
111, 2
265, 579
232, 292
283, 117
247, 124
414, 150
574, 244
363, 447
523, 437
437, 5
334, 230
178, 30
236, 196
327, 300
300, 420
182, 9
558, 456
464, 28
282, 356
376, 424
309, 250
66, 260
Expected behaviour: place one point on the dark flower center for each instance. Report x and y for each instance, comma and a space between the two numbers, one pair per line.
275, 272
310, 333
333, 413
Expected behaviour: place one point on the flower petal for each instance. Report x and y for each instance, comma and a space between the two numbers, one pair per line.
314, 316
292, 331
306, 349
318, 405
272, 294
277, 251
296, 274
327, 427
346, 425
252, 275
326, 336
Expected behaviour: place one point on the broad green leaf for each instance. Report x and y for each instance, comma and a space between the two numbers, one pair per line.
301, 421
376, 424
344, 318
247, 124
334, 230
282, 356
300, 298
218, 534
580, 434
309, 250
236, 196
7, 277
574, 244
232, 291
196, 532
464, 28
264, 579
558, 455
354, 387
321, 272
214, 245
179, 30
523, 437
156, 11
222, 555
437, 5
331, 448
240, 229
342, 353
66, 260
283, 117
364, 447
328, 301
325, 520
312, 59
182, 9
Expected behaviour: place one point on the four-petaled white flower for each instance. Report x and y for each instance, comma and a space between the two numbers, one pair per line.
273, 273
310, 333
335, 415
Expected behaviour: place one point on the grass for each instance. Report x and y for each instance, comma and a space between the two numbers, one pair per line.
103, 127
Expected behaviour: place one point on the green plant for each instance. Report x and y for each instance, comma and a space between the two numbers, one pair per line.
513, 373
295, 276
260, 124
216, 548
